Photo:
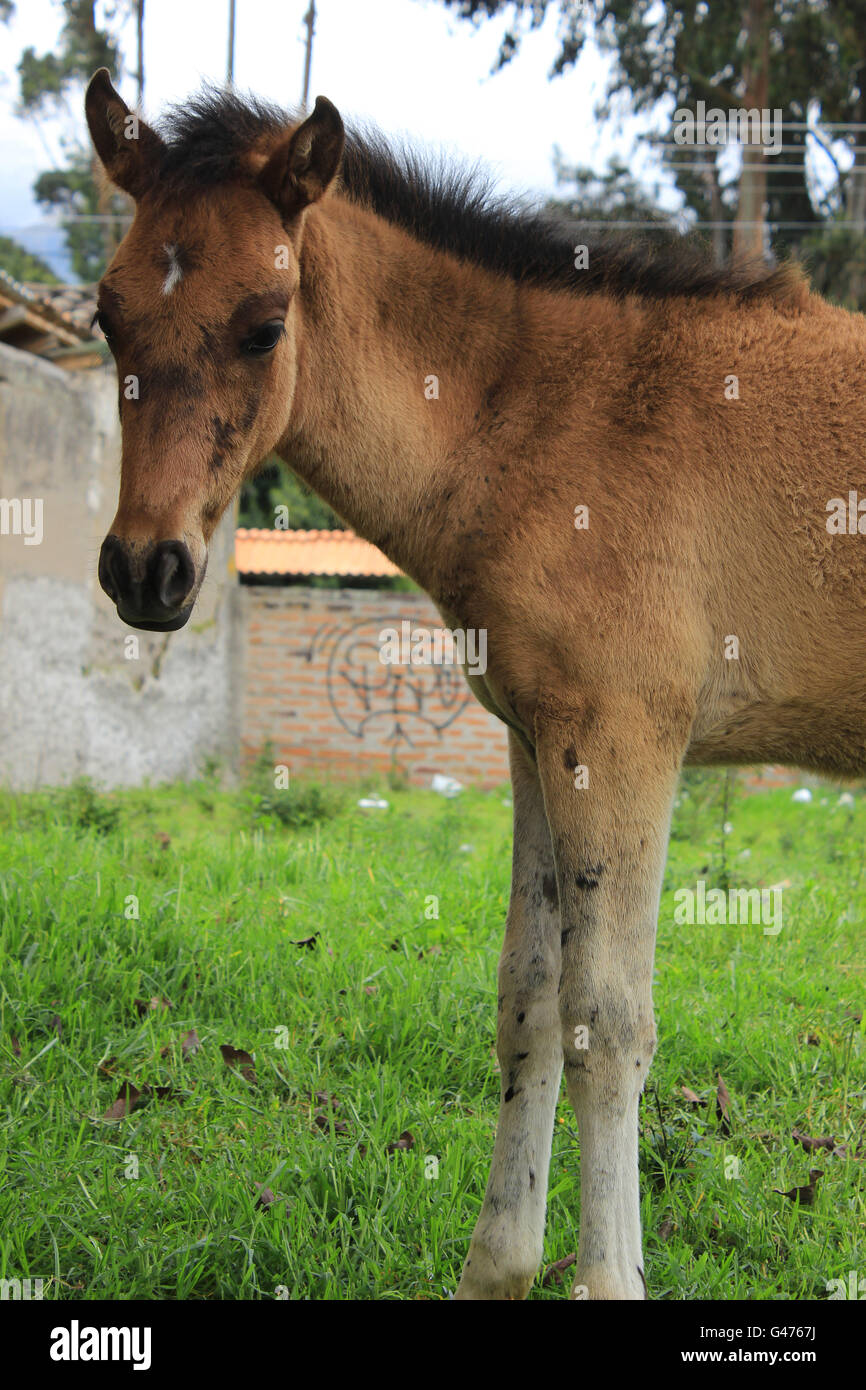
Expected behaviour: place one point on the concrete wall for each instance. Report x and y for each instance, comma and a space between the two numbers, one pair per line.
315, 688
72, 702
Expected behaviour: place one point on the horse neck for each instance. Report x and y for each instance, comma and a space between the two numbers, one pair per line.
381, 315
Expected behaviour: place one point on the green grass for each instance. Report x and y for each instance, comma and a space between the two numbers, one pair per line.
392, 1013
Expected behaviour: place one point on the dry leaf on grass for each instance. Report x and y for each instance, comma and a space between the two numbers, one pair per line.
129, 1098
554, 1273
325, 1098
723, 1106
804, 1195
406, 1141
810, 1143
324, 1122
237, 1059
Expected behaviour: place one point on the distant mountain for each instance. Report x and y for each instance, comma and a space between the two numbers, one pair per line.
47, 241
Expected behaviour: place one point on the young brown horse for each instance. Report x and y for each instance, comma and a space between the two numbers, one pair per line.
622, 473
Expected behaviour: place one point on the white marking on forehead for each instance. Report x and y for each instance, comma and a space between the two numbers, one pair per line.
175, 269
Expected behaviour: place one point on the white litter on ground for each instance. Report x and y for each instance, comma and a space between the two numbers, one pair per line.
446, 786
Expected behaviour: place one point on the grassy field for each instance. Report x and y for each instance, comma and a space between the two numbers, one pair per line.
144, 931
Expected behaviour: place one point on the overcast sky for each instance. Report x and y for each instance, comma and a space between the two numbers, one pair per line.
408, 65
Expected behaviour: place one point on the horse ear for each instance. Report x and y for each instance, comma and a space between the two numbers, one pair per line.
302, 167
128, 148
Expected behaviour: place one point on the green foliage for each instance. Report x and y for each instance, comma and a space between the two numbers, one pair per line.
276, 485
46, 78
74, 190
21, 264
614, 196
54, 82
686, 53
836, 257
301, 803
83, 808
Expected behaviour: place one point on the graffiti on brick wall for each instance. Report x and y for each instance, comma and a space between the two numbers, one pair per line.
394, 703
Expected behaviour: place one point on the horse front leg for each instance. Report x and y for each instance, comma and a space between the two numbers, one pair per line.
609, 777
507, 1243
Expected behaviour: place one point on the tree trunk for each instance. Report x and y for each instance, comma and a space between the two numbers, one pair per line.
710, 176
139, 33
750, 225
855, 193
103, 191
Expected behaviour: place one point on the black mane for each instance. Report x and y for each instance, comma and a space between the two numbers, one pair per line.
457, 210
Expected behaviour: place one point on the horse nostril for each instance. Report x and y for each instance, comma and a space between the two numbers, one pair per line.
173, 573
113, 571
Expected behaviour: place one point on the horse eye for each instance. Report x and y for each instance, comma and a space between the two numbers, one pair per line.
264, 339
102, 324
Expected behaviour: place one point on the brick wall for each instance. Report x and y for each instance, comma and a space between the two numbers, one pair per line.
314, 687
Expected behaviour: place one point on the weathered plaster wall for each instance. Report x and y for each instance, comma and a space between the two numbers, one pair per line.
72, 703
